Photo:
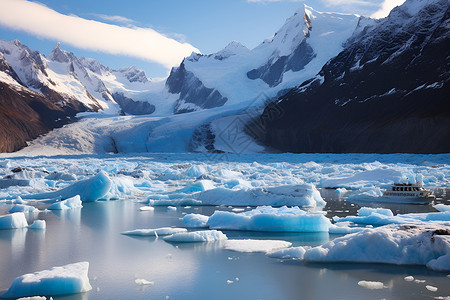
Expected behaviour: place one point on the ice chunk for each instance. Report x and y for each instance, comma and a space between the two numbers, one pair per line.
431, 288
199, 186
442, 207
155, 232
12, 221
23, 208
371, 285
267, 218
74, 202
146, 208
141, 281
195, 220
291, 195
172, 208
196, 171
380, 217
196, 236
121, 187
427, 244
364, 179
37, 224
175, 202
90, 189
68, 279
288, 253
409, 278
367, 211
343, 228
255, 245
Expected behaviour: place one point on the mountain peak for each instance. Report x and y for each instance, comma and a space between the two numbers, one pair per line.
233, 48
59, 55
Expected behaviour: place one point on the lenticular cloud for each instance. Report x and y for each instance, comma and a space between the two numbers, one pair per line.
144, 43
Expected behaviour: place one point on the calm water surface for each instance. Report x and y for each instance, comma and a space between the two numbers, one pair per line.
197, 270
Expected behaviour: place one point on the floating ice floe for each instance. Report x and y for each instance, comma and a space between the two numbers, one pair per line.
68, 279
155, 232
371, 285
74, 202
13, 221
288, 253
426, 244
291, 195
28, 209
267, 218
380, 216
38, 224
141, 281
364, 179
176, 202
442, 207
90, 189
196, 236
255, 245
196, 221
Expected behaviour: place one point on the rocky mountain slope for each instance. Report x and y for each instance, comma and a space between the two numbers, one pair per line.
387, 91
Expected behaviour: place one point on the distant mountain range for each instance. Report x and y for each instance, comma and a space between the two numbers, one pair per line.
335, 83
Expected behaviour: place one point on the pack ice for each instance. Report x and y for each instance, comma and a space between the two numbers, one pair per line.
423, 244
68, 279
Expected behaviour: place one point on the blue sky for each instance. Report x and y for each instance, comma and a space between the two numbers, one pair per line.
207, 25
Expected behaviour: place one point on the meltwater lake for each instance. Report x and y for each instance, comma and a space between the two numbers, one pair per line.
207, 270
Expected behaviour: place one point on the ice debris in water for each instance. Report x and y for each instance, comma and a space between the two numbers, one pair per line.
74, 202
196, 236
371, 285
23, 208
196, 221
68, 279
141, 281
13, 221
250, 245
155, 232
267, 218
38, 224
90, 189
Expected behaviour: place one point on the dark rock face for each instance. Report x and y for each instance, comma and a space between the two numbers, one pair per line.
192, 91
272, 72
387, 92
129, 106
24, 115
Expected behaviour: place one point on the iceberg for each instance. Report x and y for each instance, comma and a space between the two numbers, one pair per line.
425, 244
250, 245
366, 178
38, 224
196, 236
305, 195
23, 208
68, 279
288, 253
90, 189
74, 202
267, 218
13, 221
196, 221
155, 232
380, 217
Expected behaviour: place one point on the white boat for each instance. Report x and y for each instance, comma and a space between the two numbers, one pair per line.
408, 193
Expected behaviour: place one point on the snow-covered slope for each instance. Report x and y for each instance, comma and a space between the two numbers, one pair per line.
236, 75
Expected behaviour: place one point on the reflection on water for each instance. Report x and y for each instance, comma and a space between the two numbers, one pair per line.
194, 270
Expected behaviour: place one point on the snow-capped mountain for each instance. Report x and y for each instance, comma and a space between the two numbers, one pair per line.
387, 91
61, 85
236, 75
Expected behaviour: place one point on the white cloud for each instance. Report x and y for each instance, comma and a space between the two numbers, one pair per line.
116, 19
386, 7
143, 43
